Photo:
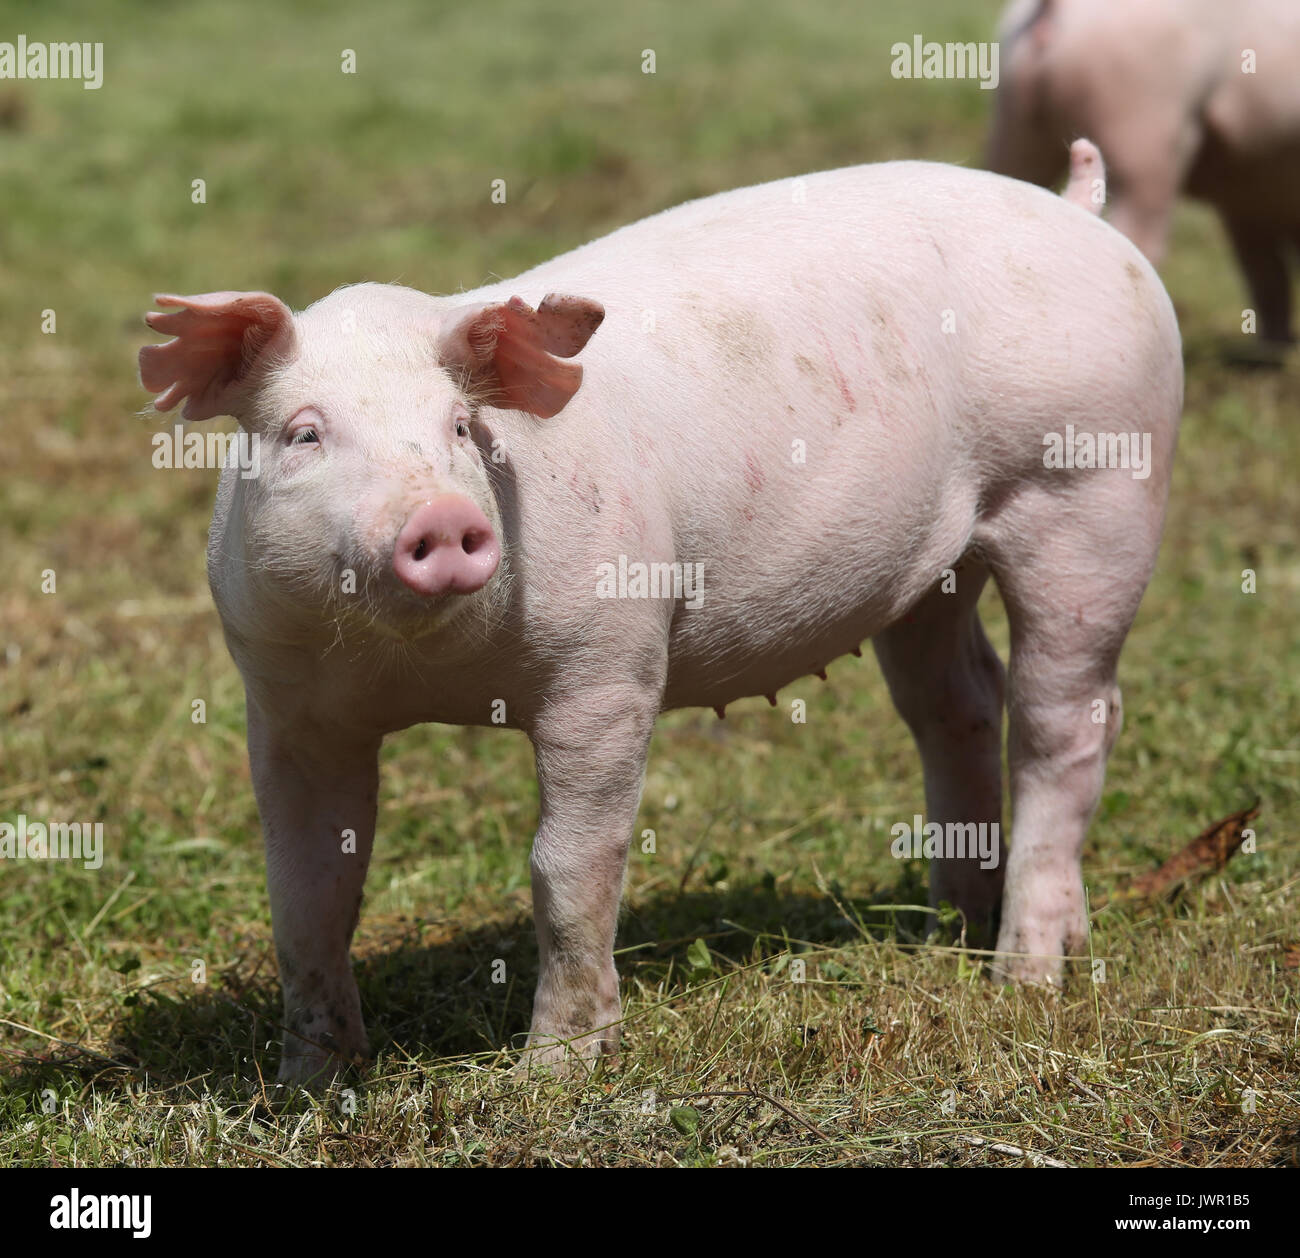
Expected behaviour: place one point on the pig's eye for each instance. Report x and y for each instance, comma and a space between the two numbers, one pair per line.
462, 428
304, 437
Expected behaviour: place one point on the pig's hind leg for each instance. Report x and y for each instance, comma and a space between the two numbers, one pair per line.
946, 681
1072, 569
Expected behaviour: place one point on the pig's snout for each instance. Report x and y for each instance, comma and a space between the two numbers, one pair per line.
446, 546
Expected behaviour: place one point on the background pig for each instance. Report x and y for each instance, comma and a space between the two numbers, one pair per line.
1159, 85
832, 392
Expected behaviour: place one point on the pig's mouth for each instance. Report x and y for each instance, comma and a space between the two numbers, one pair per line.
415, 617
385, 607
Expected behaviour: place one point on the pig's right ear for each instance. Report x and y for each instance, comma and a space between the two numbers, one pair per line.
512, 353
220, 339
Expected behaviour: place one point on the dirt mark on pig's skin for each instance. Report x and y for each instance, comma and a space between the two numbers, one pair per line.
590, 495
742, 338
754, 477
891, 347
841, 382
1142, 296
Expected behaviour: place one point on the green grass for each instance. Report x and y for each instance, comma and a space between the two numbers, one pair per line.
771, 837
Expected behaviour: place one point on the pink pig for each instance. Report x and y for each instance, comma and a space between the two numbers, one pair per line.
1195, 96
836, 403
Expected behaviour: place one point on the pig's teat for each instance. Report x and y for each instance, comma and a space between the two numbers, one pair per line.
446, 546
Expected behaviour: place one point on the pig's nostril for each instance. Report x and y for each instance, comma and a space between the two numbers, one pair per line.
421, 549
471, 542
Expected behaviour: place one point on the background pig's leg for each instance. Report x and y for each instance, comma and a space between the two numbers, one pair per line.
311, 788
1146, 167
1071, 597
1261, 252
946, 681
591, 751
1141, 205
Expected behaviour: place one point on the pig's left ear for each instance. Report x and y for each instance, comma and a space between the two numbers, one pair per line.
220, 338
512, 352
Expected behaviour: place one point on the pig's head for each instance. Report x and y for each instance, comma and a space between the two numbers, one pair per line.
372, 497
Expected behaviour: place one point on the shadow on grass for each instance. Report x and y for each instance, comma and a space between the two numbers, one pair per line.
428, 1000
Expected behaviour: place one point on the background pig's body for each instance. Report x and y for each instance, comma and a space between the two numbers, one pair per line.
809, 311
1159, 85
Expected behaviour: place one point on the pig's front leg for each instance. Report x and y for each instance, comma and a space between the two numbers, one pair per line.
316, 791
591, 753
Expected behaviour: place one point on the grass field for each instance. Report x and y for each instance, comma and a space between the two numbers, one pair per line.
772, 838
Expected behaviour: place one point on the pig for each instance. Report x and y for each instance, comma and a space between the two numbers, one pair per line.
833, 400
1183, 96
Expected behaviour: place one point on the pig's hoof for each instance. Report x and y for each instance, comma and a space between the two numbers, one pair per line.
548, 1054
1037, 955
314, 1076
313, 1071
1038, 971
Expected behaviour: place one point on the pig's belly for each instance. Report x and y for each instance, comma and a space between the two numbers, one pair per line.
751, 637
737, 659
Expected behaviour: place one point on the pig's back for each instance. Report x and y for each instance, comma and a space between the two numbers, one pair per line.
882, 314
898, 275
